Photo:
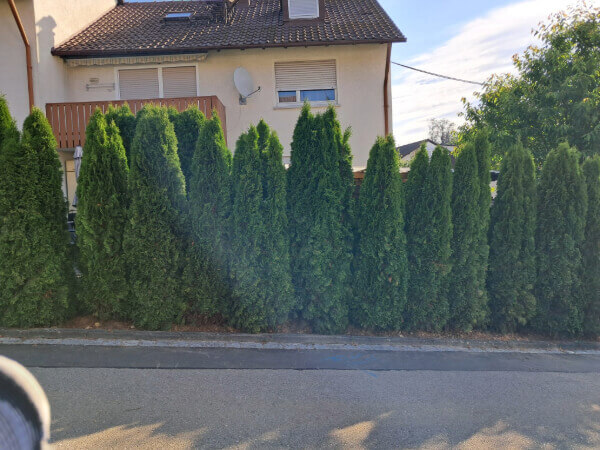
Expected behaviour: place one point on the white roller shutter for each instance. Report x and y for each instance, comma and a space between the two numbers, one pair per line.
303, 9
138, 84
305, 75
179, 82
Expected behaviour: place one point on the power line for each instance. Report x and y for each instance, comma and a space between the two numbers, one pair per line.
439, 75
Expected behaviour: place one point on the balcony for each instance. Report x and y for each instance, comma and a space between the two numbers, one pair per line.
69, 120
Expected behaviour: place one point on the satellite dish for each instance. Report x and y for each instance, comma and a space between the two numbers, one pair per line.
244, 84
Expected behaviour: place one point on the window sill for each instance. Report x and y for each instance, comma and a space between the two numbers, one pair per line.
300, 105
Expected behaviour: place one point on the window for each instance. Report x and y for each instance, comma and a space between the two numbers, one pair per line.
303, 9
161, 82
313, 81
179, 82
138, 84
318, 95
175, 16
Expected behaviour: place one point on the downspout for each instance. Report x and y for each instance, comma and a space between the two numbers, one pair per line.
386, 80
15, 13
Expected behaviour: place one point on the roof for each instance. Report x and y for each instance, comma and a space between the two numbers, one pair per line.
140, 28
407, 149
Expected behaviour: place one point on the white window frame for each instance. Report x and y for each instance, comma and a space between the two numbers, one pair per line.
160, 67
299, 104
303, 16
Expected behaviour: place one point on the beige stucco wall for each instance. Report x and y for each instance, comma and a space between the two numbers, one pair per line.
360, 68
47, 23
13, 71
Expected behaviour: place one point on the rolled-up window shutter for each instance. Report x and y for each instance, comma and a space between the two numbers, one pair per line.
301, 75
303, 9
138, 84
179, 82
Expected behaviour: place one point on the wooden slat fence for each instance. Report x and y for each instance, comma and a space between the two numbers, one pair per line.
69, 120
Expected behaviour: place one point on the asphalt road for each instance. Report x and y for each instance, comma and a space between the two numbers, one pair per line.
114, 397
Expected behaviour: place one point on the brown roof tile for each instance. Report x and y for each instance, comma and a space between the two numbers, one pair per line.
139, 28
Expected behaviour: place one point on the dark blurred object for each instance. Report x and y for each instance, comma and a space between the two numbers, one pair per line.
24, 409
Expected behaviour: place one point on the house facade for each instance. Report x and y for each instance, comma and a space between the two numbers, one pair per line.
90, 53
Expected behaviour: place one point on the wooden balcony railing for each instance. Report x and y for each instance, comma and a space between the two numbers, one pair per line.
69, 120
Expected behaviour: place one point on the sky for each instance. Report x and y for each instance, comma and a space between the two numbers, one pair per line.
469, 39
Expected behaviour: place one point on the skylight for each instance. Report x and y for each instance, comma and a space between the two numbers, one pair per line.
178, 16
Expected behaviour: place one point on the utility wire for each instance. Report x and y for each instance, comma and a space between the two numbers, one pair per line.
439, 75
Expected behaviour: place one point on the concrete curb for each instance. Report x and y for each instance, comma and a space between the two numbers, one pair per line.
125, 338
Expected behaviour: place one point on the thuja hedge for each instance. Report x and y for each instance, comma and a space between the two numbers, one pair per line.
244, 239
36, 274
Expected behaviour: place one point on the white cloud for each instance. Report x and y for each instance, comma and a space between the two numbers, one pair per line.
480, 48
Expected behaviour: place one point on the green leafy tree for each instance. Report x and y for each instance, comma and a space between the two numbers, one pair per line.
101, 218
187, 128
154, 235
512, 272
125, 121
591, 249
35, 268
429, 233
555, 95
466, 292
318, 251
380, 266
562, 208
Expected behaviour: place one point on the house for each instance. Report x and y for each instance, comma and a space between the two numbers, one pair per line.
90, 53
408, 151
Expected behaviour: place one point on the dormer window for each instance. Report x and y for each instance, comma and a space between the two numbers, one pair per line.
178, 16
303, 9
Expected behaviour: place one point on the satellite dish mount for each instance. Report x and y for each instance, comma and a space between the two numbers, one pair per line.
244, 84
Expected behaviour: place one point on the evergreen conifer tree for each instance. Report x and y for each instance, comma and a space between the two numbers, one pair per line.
154, 235
125, 121
35, 269
429, 233
318, 251
276, 257
187, 128
482, 149
562, 207
101, 219
512, 244
591, 249
466, 296
210, 205
8, 127
380, 267
249, 303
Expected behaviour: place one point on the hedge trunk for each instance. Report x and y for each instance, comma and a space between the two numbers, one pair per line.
512, 244
591, 249
380, 266
101, 219
153, 240
562, 208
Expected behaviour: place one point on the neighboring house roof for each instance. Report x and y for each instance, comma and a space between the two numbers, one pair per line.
407, 149
140, 28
